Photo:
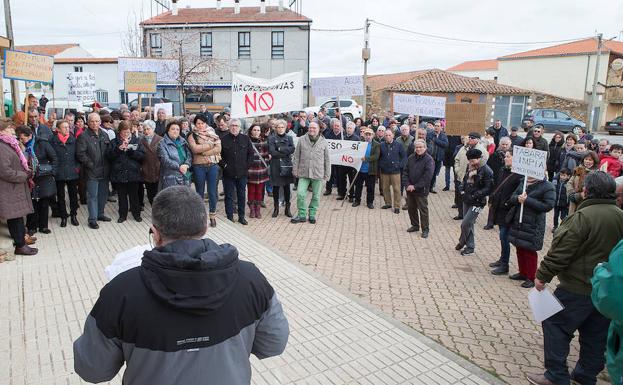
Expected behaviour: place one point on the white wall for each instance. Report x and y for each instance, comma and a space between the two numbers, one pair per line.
105, 79
484, 75
74, 52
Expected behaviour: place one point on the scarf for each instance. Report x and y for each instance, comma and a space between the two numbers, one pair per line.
62, 138
12, 141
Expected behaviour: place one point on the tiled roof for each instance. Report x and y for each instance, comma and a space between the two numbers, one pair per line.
476, 65
580, 47
85, 60
436, 80
226, 15
382, 81
46, 49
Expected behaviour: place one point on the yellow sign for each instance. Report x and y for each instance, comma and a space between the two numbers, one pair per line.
28, 66
140, 82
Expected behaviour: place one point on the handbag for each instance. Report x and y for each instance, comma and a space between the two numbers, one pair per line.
285, 167
44, 170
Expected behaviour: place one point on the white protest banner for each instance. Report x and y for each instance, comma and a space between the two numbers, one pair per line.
528, 162
337, 86
347, 152
81, 86
167, 70
168, 107
430, 106
256, 96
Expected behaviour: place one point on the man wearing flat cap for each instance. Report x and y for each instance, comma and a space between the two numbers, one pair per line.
477, 184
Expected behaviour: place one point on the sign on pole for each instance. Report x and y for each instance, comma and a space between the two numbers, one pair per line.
337, 86
20, 65
431, 106
140, 82
81, 86
256, 96
347, 152
528, 162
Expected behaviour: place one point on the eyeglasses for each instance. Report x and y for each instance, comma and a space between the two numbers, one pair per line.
537, 131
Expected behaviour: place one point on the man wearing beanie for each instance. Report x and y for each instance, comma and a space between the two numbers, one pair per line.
460, 165
476, 185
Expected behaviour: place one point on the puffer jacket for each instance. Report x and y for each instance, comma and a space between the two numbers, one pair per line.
311, 159
475, 193
45, 185
460, 160
126, 165
92, 151
279, 147
218, 310
505, 186
68, 166
170, 163
530, 232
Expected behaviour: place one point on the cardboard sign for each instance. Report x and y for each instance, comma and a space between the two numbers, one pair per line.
463, 118
256, 97
140, 82
337, 86
347, 152
431, 106
168, 107
81, 86
529, 162
20, 65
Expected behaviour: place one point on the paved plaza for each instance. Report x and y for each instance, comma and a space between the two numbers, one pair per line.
335, 338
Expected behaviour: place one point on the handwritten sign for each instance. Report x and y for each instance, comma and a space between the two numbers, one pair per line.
256, 97
347, 152
140, 82
167, 107
167, 70
20, 65
430, 106
81, 86
337, 86
529, 162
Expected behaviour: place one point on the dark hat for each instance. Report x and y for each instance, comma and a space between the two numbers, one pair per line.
474, 134
474, 153
491, 131
514, 128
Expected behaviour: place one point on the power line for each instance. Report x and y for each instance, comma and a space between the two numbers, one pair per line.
475, 41
337, 30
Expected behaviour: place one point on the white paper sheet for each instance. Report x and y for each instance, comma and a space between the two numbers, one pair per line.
543, 304
125, 260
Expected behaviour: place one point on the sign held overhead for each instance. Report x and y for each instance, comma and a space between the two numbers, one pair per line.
431, 106
140, 82
337, 86
256, 96
81, 86
529, 162
32, 67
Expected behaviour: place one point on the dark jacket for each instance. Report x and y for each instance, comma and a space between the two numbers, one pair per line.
329, 134
161, 128
217, 309
373, 159
45, 185
569, 159
516, 140
237, 155
393, 158
436, 145
450, 152
92, 151
126, 165
496, 162
553, 158
150, 167
475, 193
505, 185
68, 167
502, 132
540, 143
561, 192
583, 240
41, 131
530, 232
419, 173
280, 147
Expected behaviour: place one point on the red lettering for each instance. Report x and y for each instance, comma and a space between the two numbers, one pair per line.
267, 101
347, 159
248, 102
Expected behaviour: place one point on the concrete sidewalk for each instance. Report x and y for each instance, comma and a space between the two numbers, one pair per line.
335, 338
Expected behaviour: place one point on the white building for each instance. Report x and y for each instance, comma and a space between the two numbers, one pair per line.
261, 42
481, 69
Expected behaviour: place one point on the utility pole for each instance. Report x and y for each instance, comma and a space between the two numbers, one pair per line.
9, 34
595, 83
365, 55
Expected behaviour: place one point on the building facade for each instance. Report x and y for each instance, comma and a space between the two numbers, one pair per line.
481, 69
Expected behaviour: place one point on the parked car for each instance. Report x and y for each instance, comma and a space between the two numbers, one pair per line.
349, 108
615, 126
553, 120
145, 101
403, 118
63, 106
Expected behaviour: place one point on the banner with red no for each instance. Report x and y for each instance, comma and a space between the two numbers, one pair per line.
256, 96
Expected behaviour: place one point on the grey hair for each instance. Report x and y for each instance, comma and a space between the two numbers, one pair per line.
179, 213
161, 109
506, 139
405, 125
314, 123
599, 185
351, 124
93, 114
419, 141
231, 121
335, 120
282, 122
381, 128
150, 123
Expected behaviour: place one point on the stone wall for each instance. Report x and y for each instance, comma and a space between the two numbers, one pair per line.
578, 109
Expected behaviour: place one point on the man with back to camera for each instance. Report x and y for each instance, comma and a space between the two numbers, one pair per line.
192, 313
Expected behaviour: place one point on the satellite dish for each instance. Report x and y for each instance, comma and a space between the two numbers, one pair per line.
617, 64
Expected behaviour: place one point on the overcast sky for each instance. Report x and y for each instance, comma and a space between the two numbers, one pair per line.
99, 26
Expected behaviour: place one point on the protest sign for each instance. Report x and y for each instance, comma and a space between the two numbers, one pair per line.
347, 152
28, 66
167, 70
81, 86
140, 82
528, 162
431, 106
168, 107
256, 97
337, 86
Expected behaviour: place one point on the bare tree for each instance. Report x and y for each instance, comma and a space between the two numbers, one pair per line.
131, 40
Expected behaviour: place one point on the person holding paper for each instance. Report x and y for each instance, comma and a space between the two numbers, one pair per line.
528, 231
582, 241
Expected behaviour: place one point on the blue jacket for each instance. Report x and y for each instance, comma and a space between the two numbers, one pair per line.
393, 158
436, 145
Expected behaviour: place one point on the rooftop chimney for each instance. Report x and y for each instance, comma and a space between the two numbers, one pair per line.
237, 7
174, 8
263, 7
218, 5
280, 5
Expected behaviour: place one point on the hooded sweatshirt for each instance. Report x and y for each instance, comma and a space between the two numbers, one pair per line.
192, 313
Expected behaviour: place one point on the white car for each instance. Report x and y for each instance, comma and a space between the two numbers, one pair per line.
349, 108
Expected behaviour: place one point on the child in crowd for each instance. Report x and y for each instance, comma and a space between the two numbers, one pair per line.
573, 157
561, 207
611, 163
